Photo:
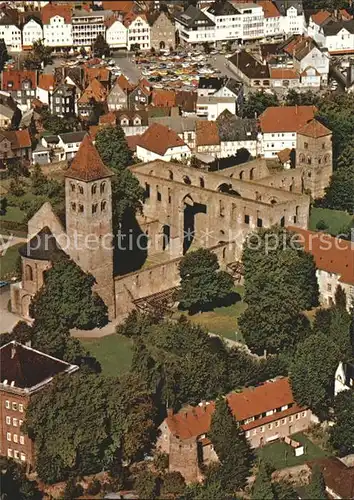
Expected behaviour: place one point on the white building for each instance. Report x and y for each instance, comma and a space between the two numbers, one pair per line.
210, 107
344, 378
9, 30
227, 20
252, 20
272, 19
292, 16
116, 34
138, 31
32, 31
194, 26
338, 36
57, 27
86, 26
161, 143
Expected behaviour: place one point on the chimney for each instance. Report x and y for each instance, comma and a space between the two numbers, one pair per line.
169, 412
13, 351
185, 414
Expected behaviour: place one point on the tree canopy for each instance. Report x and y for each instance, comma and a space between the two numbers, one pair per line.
113, 148
14, 483
257, 102
342, 433
317, 487
339, 195
39, 55
262, 488
100, 47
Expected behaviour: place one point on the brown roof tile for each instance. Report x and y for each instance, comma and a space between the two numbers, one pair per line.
338, 477
159, 139
101, 74
87, 165
320, 17
286, 118
109, 118
95, 90
206, 133
164, 98
50, 10
46, 81
118, 5
12, 79
284, 74
124, 84
269, 8
284, 155
315, 129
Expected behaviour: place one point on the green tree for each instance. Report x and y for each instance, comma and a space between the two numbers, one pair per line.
231, 447
14, 483
308, 98
3, 205
66, 299
72, 489
38, 179
257, 102
40, 55
146, 485
3, 54
113, 148
317, 487
342, 433
127, 198
262, 488
285, 491
173, 485
56, 125
312, 373
100, 47
339, 195
202, 283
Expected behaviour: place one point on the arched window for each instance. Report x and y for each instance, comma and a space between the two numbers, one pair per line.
302, 158
28, 273
94, 208
81, 209
241, 174
202, 182
170, 175
187, 180
81, 189
319, 161
94, 188
103, 206
309, 160
251, 174
73, 207
73, 187
102, 187
326, 159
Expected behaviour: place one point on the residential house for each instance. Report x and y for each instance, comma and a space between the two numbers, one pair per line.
57, 26
194, 26
14, 145
316, 21
45, 87
70, 143
161, 143
338, 477
138, 31
252, 19
86, 26
21, 85
265, 414
10, 114
210, 107
140, 96
249, 69
338, 37
24, 373
163, 98
187, 102
286, 78
279, 127
272, 19
227, 20
238, 133
118, 95
62, 100
184, 126
344, 378
292, 16
32, 31
103, 75
233, 88
95, 93
116, 33
209, 85
334, 260
132, 122
162, 31
207, 138
10, 30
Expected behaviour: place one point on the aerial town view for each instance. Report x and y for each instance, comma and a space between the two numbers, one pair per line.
177, 249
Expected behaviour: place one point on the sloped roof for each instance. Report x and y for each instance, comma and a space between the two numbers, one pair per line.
330, 254
191, 16
315, 129
43, 246
286, 118
249, 66
159, 139
12, 79
50, 10
95, 90
18, 138
299, 46
124, 83
335, 27
222, 9
46, 81
269, 8
101, 74
87, 165
284, 155
320, 17
164, 98
118, 5
338, 477
284, 74
206, 133
27, 367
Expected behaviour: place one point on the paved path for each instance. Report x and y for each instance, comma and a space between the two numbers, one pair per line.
7, 319
7, 241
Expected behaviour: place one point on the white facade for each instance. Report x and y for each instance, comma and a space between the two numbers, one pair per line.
12, 37
175, 153
340, 380
86, 27
315, 31
31, 32
43, 95
272, 143
230, 148
328, 283
139, 34
210, 107
201, 35
318, 60
117, 35
272, 26
292, 23
343, 41
58, 33
252, 20
227, 27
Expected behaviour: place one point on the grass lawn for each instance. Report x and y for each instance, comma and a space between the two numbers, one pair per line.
13, 214
8, 262
223, 320
335, 220
281, 455
114, 352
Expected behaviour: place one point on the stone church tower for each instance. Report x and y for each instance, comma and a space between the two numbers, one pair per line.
88, 200
314, 156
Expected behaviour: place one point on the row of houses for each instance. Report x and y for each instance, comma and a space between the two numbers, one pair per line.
335, 32
60, 26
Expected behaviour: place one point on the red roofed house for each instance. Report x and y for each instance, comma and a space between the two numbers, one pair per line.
24, 372
45, 87
14, 145
94, 93
272, 18
266, 413
279, 127
21, 85
334, 260
138, 31
161, 143
57, 25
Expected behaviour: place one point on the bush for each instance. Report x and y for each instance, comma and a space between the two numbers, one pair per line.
72, 490
94, 487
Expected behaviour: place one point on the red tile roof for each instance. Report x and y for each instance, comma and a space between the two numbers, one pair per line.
331, 254
120, 5
206, 133
158, 139
95, 90
131, 16
315, 129
23, 138
164, 98
345, 15
284, 74
12, 79
124, 83
133, 141
248, 403
87, 165
286, 118
50, 10
338, 477
269, 8
109, 118
320, 17
46, 81
101, 74
284, 155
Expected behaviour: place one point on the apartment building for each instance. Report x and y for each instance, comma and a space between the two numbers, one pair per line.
194, 26
292, 16
21, 85
10, 31
272, 19
57, 26
32, 31
24, 372
138, 31
227, 20
252, 20
116, 33
86, 26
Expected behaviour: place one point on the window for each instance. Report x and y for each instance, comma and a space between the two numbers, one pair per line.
23, 457
15, 438
283, 420
7, 404
15, 422
270, 426
277, 423
22, 440
247, 434
329, 287
20, 408
20, 422
8, 420
306, 146
81, 209
303, 414
291, 418
16, 454
261, 429
247, 219
72, 187
81, 190
73, 207
102, 187
14, 406
297, 416
8, 436
9, 452
94, 208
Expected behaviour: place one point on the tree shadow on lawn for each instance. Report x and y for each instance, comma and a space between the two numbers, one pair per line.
231, 299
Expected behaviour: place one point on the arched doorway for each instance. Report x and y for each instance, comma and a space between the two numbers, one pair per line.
193, 221
162, 45
166, 235
25, 303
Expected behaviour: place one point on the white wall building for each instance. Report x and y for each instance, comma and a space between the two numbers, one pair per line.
194, 26
338, 36
252, 20
86, 26
11, 35
272, 19
138, 32
292, 16
344, 378
227, 20
161, 143
210, 107
32, 31
57, 27
116, 34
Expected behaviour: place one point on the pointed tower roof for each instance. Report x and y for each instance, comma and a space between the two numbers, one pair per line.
87, 165
43, 246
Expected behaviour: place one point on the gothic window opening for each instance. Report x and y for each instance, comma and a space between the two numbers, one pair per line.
81, 209
103, 206
94, 189
102, 187
94, 208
